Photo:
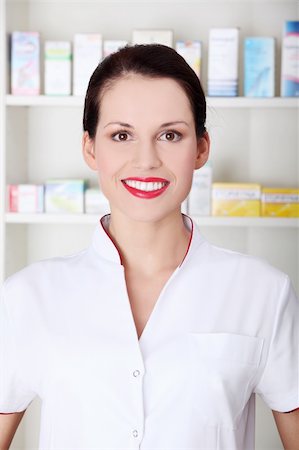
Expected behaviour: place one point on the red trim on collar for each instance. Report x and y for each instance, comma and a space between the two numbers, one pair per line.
118, 251
190, 240
111, 239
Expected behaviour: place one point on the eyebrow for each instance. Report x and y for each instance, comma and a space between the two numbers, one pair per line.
166, 124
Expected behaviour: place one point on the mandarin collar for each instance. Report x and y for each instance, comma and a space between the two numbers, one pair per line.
106, 248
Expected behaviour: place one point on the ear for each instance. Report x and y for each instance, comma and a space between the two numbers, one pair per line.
89, 151
203, 150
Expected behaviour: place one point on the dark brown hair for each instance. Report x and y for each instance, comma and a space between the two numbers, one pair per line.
153, 61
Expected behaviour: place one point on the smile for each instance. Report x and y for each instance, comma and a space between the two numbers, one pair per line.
145, 187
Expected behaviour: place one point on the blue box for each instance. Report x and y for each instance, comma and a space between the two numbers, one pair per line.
259, 66
290, 60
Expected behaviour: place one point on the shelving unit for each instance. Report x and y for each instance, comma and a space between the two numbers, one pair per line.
201, 221
253, 140
215, 102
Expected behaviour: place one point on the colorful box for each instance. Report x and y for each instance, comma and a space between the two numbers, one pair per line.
223, 62
191, 52
290, 60
236, 199
65, 196
112, 46
280, 202
57, 68
199, 199
164, 37
95, 201
25, 65
259, 66
87, 55
25, 198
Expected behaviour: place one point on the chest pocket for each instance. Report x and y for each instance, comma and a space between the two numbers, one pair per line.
223, 366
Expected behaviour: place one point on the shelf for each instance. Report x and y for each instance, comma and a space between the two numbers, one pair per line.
250, 102
52, 218
44, 100
190, 2
202, 221
219, 102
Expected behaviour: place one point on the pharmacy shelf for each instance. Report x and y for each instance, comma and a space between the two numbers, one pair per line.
190, 2
18, 218
219, 102
44, 100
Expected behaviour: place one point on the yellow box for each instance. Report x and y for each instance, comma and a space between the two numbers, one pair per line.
280, 202
236, 199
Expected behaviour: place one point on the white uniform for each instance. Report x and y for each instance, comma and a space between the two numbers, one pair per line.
224, 327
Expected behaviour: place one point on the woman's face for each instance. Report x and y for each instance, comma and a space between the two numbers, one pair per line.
145, 149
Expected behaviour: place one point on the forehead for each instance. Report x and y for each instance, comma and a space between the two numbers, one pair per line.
143, 97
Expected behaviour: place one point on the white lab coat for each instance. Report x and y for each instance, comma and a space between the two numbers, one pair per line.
224, 327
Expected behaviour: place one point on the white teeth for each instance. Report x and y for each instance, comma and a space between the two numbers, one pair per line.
145, 186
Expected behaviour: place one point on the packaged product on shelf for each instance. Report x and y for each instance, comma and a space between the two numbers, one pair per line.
236, 199
199, 199
290, 59
65, 196
223, 62
87, 55
259, 66
57, 68
191, 51
95, 201
111, 46
280, 202
164, 37
25, 64
25, 198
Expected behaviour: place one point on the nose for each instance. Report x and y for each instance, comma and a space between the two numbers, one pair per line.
146, 156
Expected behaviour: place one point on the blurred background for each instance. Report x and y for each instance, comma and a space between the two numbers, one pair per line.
246, 198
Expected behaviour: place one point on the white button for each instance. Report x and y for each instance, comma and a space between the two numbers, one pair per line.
135, 433
136, 373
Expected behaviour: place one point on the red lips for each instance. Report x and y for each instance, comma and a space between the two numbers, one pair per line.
145, 194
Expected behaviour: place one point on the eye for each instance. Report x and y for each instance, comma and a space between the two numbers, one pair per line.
171, 136
120, 136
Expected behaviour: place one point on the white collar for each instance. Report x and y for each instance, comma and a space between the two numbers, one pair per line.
105, 246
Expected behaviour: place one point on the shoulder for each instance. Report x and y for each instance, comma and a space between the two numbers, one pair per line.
234, 265
42, 274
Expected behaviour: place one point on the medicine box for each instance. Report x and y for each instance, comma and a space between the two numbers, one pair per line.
112, 46
95, 201
25, 63
259, 66
290, 60
280, 202
191, 52
87, 55
236, 199
223, 62
65, 196
57, 68
199, 199
25, 198
164, 37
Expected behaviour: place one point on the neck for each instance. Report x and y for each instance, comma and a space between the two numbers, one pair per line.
150, 247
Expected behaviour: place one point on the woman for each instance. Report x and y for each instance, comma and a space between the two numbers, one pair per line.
151, 338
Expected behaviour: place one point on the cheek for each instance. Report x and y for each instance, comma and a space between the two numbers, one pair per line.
107, 162
183, 163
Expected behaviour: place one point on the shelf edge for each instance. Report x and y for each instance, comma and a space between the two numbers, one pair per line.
48, 219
